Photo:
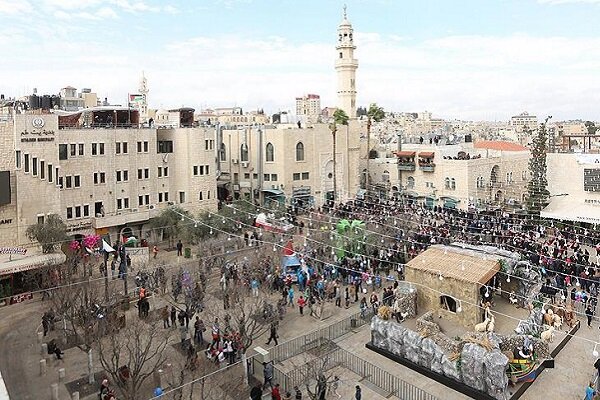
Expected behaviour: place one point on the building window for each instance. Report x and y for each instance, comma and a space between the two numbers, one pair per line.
410, 182
50, 173
18, 158
254, 176
300, 151
26, 162
448, 303
165, 171
42, 170
195, 170
160, 171
139, 147
69, 212
166, 196
77, 181
86, 210
223, 152
81, 148
77, 211
273, 177
34, 166
206, 169
145, 146
246, 175
270, 157
266, 177
119, 176
305, 176
385, 177
40, 219
453, 183
447, 183
296, 176
101, 149
244, 152
181, 197
73, 148
208, 194
62, 152
68, 182
164, 146
200, 196
160, 197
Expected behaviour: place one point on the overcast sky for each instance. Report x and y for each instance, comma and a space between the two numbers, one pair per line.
466, 59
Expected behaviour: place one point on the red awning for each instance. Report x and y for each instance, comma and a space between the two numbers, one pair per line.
405, 153
426, 154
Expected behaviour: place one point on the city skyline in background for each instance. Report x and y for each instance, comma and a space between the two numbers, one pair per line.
465, 60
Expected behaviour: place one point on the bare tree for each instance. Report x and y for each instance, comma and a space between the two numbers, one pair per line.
315, 375
131, 355
85, 318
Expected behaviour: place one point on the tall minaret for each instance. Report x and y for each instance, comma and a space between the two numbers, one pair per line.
345, 66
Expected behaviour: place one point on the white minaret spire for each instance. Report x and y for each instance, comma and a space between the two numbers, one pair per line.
345, 66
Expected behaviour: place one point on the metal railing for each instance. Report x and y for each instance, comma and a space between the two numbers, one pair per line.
390, 384
314, 339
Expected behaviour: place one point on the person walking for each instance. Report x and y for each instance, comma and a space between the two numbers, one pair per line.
179, 248
590, 392
273, 334
335, 385
291, 296
268, 374
357, 393
589, 314
199, 330
301, 304
338, 295
165, 317
254, 286
173, 317
275, 393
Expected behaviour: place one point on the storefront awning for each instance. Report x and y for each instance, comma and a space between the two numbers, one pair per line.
274, 192
562, 209
426, 154
30, 262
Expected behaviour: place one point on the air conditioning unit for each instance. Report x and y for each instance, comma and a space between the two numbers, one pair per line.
151, 207
244, 164
234, 161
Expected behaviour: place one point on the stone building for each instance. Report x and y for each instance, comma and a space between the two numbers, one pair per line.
104, 177
269, 163
449, 281
309, 106
463, 176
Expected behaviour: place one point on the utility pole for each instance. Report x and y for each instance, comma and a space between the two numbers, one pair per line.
400, 190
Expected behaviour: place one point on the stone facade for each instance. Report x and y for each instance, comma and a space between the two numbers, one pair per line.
301, 166
79, 174
495, 178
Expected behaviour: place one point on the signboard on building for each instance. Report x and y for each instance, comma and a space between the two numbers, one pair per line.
4, 187
13, 250
591, 179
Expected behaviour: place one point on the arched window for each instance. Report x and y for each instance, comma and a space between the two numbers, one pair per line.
385, 177
453, 183
223, 152
300, 151
270, 152
244, 152
410, 182
447, 183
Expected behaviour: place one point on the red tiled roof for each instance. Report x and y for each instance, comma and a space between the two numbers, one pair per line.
405, 153
499, 145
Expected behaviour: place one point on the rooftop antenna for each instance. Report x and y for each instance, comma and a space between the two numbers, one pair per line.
345, 12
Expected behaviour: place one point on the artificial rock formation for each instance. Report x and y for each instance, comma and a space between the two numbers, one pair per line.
477, 361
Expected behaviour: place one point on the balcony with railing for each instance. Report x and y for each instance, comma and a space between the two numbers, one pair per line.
406, 160
124, 217
426, 163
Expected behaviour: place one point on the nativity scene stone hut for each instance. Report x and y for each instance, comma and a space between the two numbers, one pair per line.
449, 282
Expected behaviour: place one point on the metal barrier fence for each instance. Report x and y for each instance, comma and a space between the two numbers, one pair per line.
314, 339
390, 384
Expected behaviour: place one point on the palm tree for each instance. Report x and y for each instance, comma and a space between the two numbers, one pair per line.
374, 114
339, 118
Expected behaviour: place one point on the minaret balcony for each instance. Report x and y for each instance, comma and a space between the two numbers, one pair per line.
344, 63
